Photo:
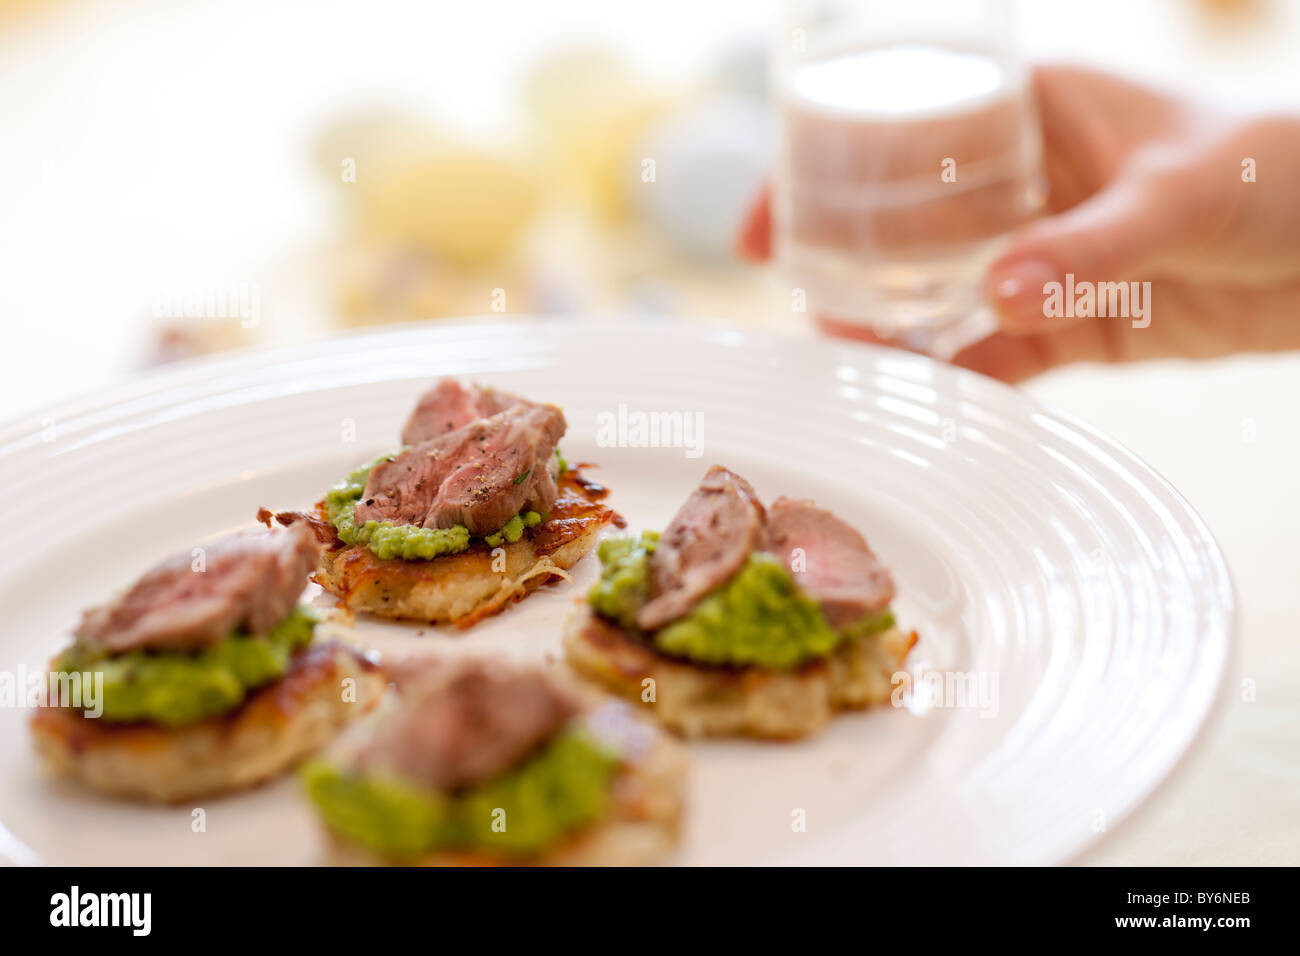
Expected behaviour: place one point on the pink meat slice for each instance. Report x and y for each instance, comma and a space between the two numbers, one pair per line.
479, 476
246, 582
449, 406
403, 488
829, 560
467, 726
706, 543
512, 470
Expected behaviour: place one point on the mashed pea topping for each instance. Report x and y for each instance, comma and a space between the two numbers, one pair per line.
561, 789
173, 688
759, 617
871, 624
407, 541
514, 528
384, 538
624, 582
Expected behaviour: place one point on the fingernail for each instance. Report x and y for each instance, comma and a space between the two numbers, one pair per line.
1016, 289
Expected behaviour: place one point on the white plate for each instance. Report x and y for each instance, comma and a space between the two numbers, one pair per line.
1028, 550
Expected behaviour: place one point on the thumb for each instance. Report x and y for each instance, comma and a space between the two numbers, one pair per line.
1114, 235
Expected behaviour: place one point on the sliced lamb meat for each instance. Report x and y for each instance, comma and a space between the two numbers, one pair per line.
479, 476
511, 471
838, 569
467, 724
706, 543
403, 488
449, 405
247, 582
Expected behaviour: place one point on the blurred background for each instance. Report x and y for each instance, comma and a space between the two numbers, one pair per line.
179, 177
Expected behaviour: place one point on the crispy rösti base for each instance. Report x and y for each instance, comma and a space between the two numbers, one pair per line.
641, 827
277, 726
463, 588
702, 701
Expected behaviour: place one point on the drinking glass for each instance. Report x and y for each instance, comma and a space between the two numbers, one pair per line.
908, 149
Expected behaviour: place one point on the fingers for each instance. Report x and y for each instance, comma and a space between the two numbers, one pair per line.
1005, 356
843, 329
754, 241
1013, 358
1097, 119
1008, 358
1116, 235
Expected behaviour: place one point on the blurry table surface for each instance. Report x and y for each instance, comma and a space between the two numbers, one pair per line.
1224, 433
151, 146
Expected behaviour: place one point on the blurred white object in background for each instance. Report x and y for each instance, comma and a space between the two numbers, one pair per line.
744, 68
699, 170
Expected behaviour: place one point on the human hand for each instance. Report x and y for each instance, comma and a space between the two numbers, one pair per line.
1142, 188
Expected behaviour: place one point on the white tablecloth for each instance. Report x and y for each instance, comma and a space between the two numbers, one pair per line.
1225, 434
